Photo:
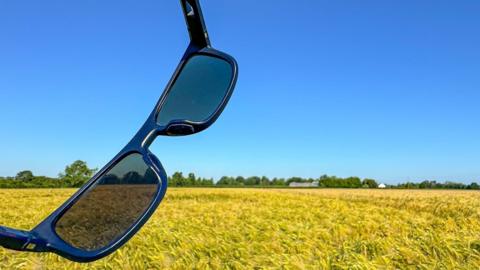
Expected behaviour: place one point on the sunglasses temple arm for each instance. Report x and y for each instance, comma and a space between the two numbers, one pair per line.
19, 240
195, 23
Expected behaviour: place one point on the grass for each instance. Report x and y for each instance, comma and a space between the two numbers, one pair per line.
289, 229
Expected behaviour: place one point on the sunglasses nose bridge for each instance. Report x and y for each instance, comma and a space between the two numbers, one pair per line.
149, 138
144, 137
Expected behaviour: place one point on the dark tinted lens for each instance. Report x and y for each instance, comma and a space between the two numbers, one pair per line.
108, 209
198, 91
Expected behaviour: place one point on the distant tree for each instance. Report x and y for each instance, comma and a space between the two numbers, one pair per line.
278, 182
370, 183
240, 181
352, 182
132, 177
227, 181
24, 176
332, 182
191, 180
207, 182
474, 185
324, 177
223, 181
252, 181
177, 180
264, 181
111, 179
429, 184
77, 173
408, 185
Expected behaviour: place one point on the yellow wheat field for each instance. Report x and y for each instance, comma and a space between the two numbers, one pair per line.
277, 229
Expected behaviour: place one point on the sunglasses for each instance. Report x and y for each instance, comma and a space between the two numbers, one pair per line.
110, 208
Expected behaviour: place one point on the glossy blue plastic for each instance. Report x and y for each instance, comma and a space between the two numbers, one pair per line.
43, 237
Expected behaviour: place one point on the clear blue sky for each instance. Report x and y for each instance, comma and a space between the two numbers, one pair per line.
382, 89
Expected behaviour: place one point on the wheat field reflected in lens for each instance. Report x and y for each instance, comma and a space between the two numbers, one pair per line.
106, 211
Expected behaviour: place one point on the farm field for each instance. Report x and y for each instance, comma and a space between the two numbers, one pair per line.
277, 229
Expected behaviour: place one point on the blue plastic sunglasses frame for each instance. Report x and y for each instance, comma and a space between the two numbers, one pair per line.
43, 238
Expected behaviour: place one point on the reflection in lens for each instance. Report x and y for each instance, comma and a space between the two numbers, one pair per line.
109, 208
198, 91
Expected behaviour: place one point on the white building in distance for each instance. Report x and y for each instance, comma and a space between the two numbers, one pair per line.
382, 186
297, 184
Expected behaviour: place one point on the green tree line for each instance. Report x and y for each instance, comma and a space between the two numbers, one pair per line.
75, 175
78, 173
436, 185
324, 181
